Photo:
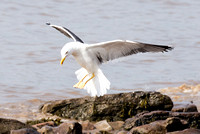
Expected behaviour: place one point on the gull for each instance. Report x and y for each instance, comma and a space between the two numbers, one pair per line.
91, 56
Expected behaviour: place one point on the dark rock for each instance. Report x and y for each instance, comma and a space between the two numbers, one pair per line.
124, 105
182, 107
6, 125
187, 119
145, 118
174, 124
186, 131
160, 127
193, 118
25, 131
152, 128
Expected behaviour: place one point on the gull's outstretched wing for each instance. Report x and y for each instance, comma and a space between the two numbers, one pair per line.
107, 51
66, 32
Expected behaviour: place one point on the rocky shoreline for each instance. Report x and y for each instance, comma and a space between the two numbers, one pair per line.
125, 113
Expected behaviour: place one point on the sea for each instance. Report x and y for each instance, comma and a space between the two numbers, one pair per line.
30, 71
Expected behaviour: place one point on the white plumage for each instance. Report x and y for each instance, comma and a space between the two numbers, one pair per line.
98, 85
91, 56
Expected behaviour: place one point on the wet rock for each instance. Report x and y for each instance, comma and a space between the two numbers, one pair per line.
145, 118
124, 105
174, 124
103, 126
65, 128
6, 125
152, 128
186, 131
182, 107
160, 127
24, 131
193, 118
184, 119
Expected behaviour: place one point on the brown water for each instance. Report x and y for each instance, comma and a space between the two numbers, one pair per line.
30, 51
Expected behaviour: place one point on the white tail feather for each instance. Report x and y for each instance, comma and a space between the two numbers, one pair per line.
98, 86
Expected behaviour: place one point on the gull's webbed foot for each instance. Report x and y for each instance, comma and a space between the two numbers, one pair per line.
82, 84
79, 85
76, 85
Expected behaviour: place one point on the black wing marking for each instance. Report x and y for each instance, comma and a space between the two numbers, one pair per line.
66, 32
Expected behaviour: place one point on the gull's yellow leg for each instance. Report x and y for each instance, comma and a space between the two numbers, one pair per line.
81, 85
80, 82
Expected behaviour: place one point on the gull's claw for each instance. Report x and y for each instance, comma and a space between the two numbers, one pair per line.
81, 85
76, 85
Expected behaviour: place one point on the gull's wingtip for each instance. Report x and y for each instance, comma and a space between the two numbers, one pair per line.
170, 47
48, 23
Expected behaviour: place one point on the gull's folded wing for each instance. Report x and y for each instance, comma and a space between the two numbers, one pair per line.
110, 50
66, 32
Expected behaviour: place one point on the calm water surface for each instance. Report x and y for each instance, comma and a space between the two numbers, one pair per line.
30, 51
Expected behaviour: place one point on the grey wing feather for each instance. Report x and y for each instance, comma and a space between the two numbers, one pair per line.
66, 32
111, 50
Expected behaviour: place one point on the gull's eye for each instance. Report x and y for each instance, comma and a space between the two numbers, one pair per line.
66, 53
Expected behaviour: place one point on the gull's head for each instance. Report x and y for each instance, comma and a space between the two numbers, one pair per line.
67, 50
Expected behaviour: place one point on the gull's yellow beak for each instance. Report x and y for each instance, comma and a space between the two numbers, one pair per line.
62, 60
